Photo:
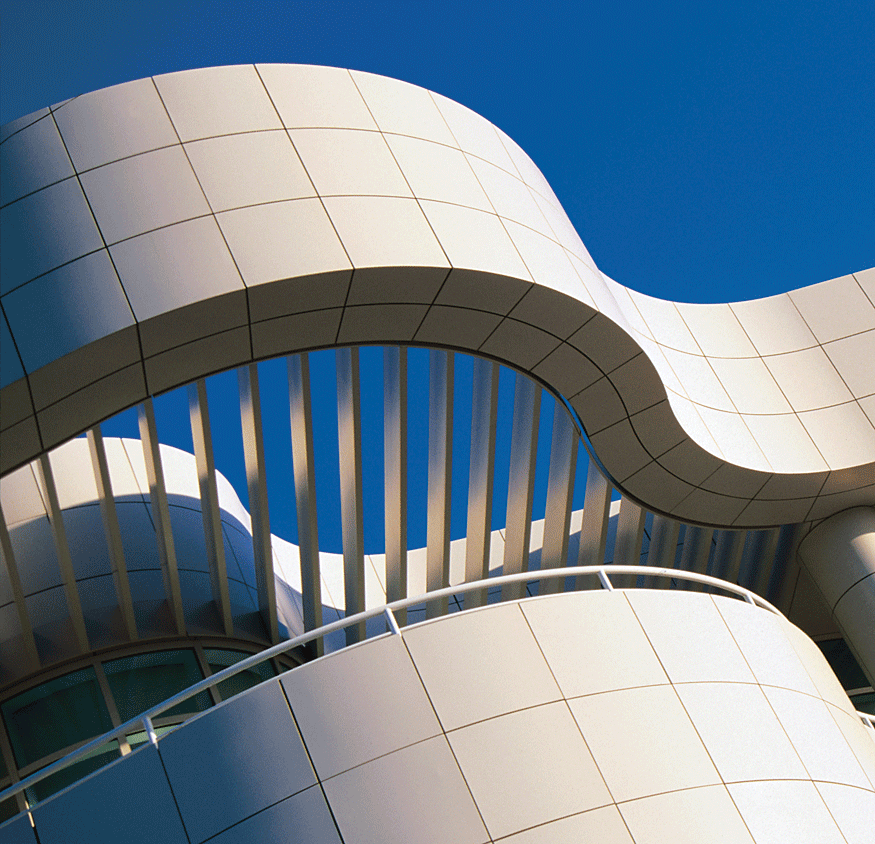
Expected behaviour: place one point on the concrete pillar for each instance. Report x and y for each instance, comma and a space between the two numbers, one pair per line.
839, 554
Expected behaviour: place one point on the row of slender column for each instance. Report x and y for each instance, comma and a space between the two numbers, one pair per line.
738, 556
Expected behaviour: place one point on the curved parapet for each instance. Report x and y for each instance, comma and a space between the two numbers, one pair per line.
513, 722
232, 214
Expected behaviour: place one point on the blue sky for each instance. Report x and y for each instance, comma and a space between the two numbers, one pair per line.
705, 152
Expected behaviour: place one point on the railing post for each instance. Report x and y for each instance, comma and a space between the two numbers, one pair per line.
605, 580
390, 621
359, 619
150, 731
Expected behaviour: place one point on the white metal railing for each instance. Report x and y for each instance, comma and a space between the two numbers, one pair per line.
143, 722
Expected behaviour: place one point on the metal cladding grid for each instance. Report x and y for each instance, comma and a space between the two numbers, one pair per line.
301, 207
461, 728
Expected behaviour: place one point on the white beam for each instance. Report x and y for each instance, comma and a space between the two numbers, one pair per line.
594, 520
62, 548
111, 528
161, 512
349, 441
256, 480
31, 655
696, 550
303, 468
630, 535
201, 434
560, 489
727, 555
521, 481
440, 448
663, 548
395, 472
484, 414
759, 559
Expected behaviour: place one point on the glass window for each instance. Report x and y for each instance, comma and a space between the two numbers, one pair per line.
842, 662
97, 758
55, 715
8, 808
864, 702
136, 739
143, 681
219, 659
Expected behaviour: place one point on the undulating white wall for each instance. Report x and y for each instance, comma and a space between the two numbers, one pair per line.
231, 214
636, 717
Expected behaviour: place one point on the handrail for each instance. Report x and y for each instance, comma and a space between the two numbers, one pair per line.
143, 721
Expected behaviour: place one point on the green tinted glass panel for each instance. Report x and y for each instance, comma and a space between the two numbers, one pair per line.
8, 808
97, 758
219, 659
864, 703
842, 661
136, 739
143, 681
55, 715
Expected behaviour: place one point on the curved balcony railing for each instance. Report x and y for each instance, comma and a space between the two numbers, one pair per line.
143, 722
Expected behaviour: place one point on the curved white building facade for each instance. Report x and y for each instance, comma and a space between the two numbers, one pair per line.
168, 229
231, 214
711, 720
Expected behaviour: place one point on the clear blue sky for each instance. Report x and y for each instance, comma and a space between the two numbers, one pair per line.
705, 152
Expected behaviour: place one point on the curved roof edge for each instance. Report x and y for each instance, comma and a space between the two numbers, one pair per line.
168, 228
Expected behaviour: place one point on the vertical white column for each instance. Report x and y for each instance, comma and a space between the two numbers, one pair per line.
560, 489
839, 554
62, 548
303, 469
630, 534
663, 548
349, 442
696, 550
481, 477
112, 530
161, 512
594, 521
29, 643
758, 560
521, 482
202, 438
395, 472
727, 555
440, 456
256, 481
